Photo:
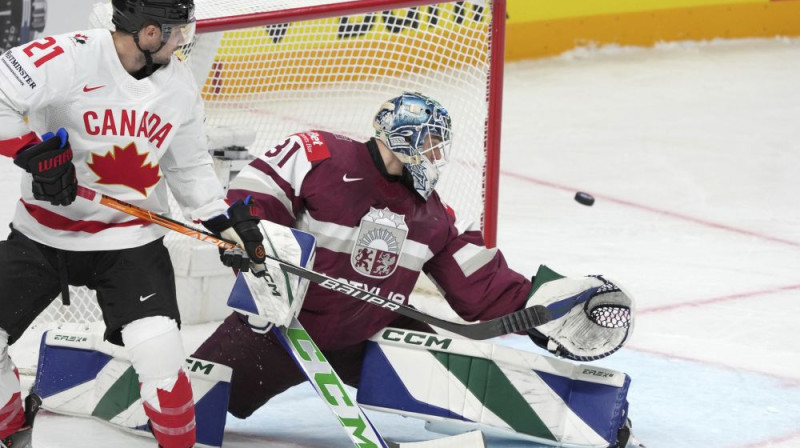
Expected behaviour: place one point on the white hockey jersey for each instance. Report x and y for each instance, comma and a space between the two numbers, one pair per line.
130, 138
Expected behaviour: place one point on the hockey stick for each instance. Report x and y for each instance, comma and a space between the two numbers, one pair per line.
326, 382
521, 320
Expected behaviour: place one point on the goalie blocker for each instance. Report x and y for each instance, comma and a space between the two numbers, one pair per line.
459, 385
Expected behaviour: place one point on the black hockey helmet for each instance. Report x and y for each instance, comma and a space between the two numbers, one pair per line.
172, 15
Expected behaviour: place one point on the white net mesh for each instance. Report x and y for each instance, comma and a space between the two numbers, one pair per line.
283, 76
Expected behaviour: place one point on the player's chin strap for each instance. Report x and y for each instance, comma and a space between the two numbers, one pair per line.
148, 55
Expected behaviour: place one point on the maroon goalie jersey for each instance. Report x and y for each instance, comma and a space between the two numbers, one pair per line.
374, 232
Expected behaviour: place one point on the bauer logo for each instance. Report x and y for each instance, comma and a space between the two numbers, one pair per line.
379, 243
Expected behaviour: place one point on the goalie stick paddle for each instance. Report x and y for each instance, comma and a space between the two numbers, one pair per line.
319, 372
517, 321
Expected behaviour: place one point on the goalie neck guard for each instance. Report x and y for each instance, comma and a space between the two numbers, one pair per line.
417, 129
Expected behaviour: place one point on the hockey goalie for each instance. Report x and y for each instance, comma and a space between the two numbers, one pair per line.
378, 223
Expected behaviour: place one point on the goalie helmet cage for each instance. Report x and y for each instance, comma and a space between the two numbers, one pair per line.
283, 66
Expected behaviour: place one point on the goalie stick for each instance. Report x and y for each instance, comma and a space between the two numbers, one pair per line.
328, 385
517, 321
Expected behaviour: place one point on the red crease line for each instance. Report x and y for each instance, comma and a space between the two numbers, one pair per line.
696, 303
770, 442
659, 211
785, 381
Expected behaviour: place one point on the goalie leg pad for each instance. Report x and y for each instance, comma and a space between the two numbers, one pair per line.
80, 374
466, 385
12, 415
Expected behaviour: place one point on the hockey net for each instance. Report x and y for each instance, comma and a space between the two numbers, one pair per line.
279, 67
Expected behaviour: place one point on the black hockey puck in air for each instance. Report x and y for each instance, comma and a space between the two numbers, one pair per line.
584, 198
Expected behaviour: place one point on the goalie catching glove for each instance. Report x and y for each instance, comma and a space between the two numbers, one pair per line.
592, 317
240, 225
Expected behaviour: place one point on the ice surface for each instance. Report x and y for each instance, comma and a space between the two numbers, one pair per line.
692, 151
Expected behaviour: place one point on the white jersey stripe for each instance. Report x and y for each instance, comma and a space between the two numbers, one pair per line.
470, 258
256, 181
465, 225
342, 239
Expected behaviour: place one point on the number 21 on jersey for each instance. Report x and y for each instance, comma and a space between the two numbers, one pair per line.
43, 50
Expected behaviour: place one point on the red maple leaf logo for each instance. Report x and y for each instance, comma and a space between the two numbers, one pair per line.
125, 166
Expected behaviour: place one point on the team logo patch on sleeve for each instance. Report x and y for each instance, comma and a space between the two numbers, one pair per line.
379, 243
78, 38
315, 147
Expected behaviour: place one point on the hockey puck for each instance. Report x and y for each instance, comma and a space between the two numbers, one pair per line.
584, 198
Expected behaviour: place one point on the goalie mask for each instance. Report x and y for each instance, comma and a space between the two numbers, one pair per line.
417, 130
175, 17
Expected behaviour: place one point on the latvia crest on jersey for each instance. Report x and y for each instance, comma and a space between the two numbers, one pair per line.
379, 243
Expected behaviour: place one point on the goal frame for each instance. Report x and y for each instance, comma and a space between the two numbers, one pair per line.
494, 90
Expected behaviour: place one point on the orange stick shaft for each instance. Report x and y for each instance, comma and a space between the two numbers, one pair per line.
155, 218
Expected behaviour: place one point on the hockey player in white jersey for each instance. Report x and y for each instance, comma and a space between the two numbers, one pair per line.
119, 113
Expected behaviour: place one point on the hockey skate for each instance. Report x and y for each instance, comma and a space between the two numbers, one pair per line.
625, 438
22, 438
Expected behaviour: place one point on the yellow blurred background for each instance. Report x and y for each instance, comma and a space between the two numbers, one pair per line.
538, 28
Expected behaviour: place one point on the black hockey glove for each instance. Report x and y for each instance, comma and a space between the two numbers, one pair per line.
241, 226
50, 163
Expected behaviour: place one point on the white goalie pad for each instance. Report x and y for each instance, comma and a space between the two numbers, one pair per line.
274, 296
81, 375
459, 385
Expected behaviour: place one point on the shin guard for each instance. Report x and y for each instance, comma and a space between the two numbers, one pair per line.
172, 422
156, 352
12, 415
